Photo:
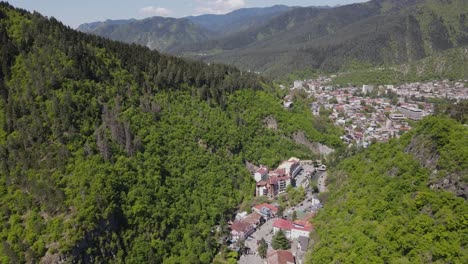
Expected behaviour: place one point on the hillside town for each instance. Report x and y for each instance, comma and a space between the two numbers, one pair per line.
375, 113
291, 219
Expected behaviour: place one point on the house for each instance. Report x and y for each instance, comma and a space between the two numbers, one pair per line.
411, 112
255, 219
292, 167
280, 257
261, 188
367, 89
241, 230
283, 183
261, 174
292, 230
268, 211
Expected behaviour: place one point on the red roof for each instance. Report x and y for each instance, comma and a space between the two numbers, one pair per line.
278, 172
252, 218
262, 183
269, 206
288, 225
273, 180
280, 257
282, 224
303, 225
240, 226
284, 178
262, 171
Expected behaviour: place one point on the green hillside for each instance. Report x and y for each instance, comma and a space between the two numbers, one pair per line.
113, 153
397, 202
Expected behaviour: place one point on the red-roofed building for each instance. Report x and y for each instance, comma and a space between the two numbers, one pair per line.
280, 257
266, 210
261, 174
241, 230
262, 188
292, 230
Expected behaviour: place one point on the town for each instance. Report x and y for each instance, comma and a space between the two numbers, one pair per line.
375, 113
291, 199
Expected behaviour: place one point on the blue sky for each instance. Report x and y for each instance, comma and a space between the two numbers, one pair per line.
76, 12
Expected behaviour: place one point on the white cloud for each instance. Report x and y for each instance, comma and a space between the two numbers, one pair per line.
218, 6
155, 11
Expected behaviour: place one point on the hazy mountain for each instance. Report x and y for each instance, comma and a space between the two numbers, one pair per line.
89, 27
238, 20
157, 33
383, 31
165, 34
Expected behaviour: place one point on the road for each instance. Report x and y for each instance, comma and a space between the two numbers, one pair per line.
265, 231
322, 179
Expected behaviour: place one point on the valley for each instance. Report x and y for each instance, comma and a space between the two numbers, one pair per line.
281, 134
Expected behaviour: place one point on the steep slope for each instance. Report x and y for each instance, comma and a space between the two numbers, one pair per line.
113, 153
238, 20
384, 206
157, 33
377, 32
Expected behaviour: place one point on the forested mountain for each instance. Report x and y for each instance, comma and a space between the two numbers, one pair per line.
280, 40
238, 20
377, 32
168, 34
158, 33
89, 27
401, 202
113, 153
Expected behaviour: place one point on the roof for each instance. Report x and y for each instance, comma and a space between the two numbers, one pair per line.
262, 183
262, 170
282, 224
296, 225
269, 206
278, 172
304, 242
273, 180
280, 257
252, 218
284, 178
241, 226
302, 225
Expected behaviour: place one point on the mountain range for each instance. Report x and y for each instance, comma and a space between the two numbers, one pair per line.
280, 40
164, 34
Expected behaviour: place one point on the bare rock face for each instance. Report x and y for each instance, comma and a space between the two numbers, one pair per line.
271, 123
317, 148
425, 151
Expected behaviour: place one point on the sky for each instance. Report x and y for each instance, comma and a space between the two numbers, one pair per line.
76, 12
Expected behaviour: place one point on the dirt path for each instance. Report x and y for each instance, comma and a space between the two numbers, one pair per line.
321, 182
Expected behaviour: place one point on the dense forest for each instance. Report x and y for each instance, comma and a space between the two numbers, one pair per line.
401, 202
108, 150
